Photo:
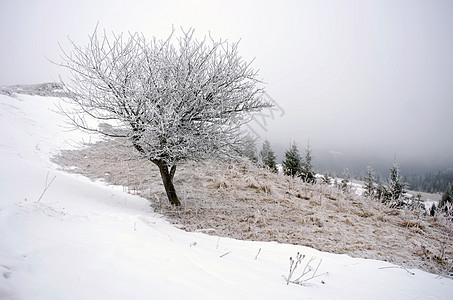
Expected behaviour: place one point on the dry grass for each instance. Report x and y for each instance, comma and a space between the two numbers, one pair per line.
245, 202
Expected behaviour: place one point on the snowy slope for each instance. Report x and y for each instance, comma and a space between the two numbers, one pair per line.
86, 240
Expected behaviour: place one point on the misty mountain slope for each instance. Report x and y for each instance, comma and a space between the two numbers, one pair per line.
64, 236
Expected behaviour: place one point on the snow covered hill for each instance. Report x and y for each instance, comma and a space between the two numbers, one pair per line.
63, 236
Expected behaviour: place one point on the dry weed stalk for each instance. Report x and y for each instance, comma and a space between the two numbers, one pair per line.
46, 185
302, 279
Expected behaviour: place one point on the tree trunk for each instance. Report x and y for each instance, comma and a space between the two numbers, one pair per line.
167, 179
165, 174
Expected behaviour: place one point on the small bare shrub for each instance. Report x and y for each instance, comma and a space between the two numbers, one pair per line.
309, 272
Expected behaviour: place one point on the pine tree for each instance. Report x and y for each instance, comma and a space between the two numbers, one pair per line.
432, 211
395, 185
292, 162
344, 185
307, 173
267, 157
382, 193
370, 179
447, 197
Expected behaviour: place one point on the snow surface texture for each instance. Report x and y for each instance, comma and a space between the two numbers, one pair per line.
87, 240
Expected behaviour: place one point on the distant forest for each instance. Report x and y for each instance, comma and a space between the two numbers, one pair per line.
430, 182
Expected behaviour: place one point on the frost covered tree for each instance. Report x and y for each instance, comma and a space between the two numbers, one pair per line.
173, 100
345, 182
292, 162
382, 193
370, 183
307, 174
267, 157
447, 197
446, 203
395, 185
432, 210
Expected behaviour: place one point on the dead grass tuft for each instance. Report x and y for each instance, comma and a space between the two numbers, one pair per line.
221, 183
411, 224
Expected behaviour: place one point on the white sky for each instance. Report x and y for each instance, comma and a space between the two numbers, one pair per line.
351, 75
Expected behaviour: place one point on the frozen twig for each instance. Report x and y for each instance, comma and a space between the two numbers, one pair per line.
46, 186
256, 257
225, 254
396, 267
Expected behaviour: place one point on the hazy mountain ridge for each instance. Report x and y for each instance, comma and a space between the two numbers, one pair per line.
48, 89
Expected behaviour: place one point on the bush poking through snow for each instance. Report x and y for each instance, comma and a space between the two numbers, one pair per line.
310, 271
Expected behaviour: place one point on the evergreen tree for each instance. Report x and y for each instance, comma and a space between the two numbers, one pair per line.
432, 211
344, 184
307, 173
395, 185
326, 179
382, 193
370, 179
430, 182
447, 197
267, 157
292, 162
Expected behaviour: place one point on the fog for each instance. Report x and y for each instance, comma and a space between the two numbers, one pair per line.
363, 81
